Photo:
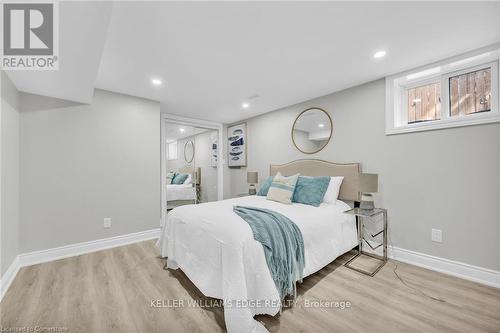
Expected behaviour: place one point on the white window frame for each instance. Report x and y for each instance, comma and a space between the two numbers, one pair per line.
397, 85
170, 149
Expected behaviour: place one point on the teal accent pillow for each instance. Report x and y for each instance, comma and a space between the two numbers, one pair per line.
265, 186
179, 178
310, 190
170, 177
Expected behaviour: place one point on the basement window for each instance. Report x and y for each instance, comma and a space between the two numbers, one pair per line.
459, 92
424, 103
172, 150
470, 93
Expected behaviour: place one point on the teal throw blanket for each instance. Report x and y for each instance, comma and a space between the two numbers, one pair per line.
282, 242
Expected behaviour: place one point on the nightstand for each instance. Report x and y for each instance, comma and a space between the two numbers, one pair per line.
242, 195
364, 216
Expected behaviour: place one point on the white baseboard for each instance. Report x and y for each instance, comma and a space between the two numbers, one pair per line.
459, 269
465, 271
38, 257
8, 276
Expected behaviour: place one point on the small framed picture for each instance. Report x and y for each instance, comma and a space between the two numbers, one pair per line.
237, 145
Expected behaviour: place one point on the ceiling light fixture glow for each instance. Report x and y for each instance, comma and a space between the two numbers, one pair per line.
321, 125
156, 82
245, 105
379, 54
181, 130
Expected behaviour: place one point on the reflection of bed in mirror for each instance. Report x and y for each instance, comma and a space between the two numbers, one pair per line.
183, 194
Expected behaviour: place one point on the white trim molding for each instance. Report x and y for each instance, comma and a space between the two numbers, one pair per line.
38, 257
398, 85
8, 276
455, 268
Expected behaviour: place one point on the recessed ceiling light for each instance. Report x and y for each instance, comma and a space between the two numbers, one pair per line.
156, 82
379, 54
321, 125
245, 105
181, 130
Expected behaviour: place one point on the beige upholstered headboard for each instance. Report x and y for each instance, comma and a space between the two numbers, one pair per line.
312, 167
194, 172
186, 169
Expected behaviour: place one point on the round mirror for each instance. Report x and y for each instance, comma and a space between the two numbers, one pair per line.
312, 130
189, 151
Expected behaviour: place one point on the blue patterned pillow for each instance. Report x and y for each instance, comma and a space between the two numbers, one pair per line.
310, 190
265, 186
179, 178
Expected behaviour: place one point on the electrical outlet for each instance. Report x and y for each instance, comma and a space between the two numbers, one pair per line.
107, 222
437, 235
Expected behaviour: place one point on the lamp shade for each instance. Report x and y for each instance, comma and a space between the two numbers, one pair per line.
252, 177
368, 182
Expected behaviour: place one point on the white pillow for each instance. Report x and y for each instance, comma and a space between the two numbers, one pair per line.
189, 180
332, 192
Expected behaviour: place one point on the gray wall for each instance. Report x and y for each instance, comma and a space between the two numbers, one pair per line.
9, 207
82, 163
447, 179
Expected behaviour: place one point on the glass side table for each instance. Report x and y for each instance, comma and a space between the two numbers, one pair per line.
368, 215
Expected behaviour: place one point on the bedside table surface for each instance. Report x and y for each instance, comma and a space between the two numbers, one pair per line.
365, 212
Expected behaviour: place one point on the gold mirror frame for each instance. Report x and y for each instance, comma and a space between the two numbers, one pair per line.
329, 138
185, 147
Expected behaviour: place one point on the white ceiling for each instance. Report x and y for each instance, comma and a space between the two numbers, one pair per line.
212, 56
177, 131
82, 33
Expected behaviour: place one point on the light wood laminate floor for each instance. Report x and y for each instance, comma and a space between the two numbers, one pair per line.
112, 290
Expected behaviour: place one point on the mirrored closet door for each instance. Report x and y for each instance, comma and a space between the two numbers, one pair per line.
191, 164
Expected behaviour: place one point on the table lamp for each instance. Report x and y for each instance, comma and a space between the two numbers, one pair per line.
368, 184
252, 179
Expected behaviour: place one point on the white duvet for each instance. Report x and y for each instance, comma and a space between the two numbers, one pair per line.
180, 192
215, 248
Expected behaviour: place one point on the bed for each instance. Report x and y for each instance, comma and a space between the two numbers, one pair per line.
182, 194
215, 248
